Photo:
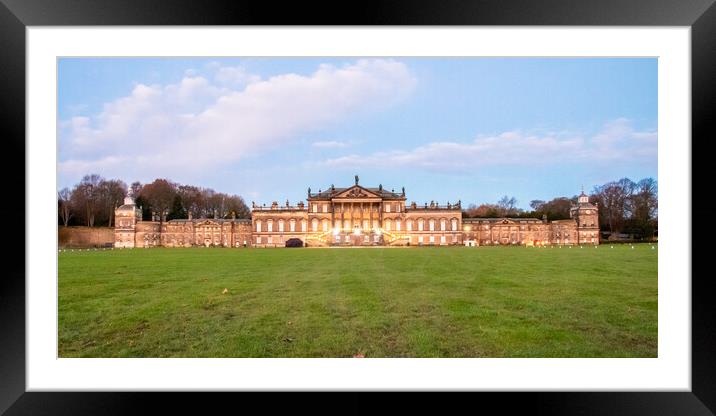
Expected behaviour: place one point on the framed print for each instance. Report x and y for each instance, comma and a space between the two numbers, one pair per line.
247, 207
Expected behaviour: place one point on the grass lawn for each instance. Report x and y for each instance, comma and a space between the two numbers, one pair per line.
381, 302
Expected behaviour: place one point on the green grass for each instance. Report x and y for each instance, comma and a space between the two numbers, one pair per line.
387, 302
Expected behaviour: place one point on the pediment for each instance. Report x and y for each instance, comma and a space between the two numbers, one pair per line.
357, 191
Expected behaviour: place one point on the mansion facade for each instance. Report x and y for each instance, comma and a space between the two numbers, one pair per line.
356, 216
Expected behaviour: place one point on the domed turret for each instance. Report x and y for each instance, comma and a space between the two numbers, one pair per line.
583, 198
587, 216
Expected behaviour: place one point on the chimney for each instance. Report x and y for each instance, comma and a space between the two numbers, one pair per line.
190, 215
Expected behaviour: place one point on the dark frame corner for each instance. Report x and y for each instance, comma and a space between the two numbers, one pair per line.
16, 15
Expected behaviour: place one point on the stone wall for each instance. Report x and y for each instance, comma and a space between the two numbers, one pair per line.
85, 237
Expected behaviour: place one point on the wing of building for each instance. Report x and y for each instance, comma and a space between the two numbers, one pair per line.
356, 216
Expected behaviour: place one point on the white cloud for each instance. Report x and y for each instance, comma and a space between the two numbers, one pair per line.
329, 144
235, 76
198, 124
617, 141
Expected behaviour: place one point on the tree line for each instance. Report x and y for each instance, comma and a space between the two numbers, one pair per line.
624, 206
92, 201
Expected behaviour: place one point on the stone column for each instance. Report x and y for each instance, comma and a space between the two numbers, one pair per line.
362, 217
380, 214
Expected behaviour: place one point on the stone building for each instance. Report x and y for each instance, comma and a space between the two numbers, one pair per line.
356, 216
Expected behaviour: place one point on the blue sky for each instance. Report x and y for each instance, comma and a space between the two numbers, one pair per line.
450, 128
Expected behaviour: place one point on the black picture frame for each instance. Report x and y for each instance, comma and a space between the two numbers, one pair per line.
16, 15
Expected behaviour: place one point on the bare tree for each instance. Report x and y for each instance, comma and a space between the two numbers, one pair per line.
191, 197
508, 206
536, 204
85, 195
65, 205
235, 204
160, 196
112, 192
615, 204
136, 188
645, 201
217, 205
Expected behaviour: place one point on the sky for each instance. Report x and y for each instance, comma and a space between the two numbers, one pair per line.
446, 129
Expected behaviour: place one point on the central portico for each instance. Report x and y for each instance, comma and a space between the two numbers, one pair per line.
357, 216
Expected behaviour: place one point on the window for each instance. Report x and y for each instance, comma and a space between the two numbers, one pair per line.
325, 226
314, 225
454, 224
442, 225
315, 207
397, 225
387, 207
432, 225
258, 240
366, 224
270, 226
375, 225
292, 225
432, 239
442, 239
420, 225
410, 225
420, 239
387, 224
304, 226
270, 240
280, 225
258, 225
325, 207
